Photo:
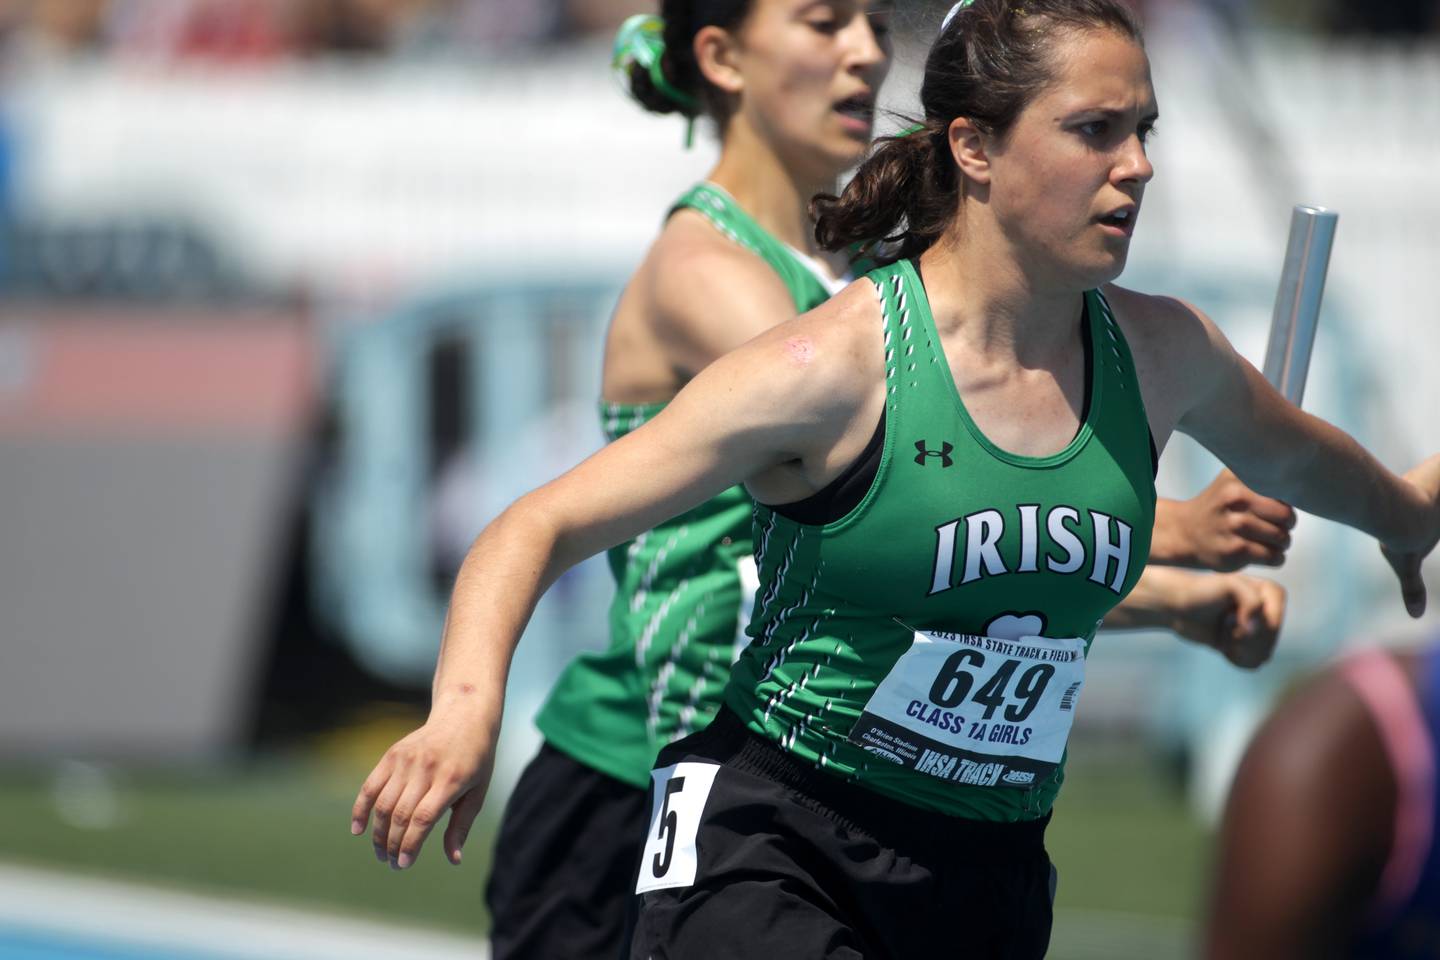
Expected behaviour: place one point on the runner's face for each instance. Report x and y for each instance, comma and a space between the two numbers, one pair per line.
1067, 181
811, 71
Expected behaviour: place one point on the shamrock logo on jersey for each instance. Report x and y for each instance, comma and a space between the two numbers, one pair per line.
1013, 626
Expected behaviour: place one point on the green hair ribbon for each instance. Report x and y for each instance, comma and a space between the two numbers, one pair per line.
641, 40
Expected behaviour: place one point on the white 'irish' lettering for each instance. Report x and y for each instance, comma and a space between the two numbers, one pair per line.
1065, 539
1105, 550
982, 536
944, 556
1067, 551
1029, 536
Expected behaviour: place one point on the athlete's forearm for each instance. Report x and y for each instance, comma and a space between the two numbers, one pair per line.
673, 466
1335, 477
1284, 452
506, 571
1170, 543
1158, 595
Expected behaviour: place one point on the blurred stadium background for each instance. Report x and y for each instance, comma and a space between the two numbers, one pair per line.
296, 294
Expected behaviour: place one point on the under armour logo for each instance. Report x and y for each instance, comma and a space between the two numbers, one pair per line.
943, 453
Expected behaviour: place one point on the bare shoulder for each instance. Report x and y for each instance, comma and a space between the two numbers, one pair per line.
1177, 351
837, 349
697, 295
828, 360
693, 267
1159, 325
823, 390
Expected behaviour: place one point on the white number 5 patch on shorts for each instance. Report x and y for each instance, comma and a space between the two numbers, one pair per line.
678, 801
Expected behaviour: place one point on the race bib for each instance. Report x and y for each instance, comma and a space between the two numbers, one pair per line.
677, 801
976, 710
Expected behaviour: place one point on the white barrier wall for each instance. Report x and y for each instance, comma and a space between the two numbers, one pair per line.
342, 179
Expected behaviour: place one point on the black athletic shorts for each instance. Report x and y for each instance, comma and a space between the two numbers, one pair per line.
563, 878
768, 857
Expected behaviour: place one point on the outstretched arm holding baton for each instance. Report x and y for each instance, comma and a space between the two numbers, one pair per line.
1228, 525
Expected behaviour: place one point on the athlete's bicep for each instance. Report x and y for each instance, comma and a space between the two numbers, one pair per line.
1194, 381
745, 413
1246, 422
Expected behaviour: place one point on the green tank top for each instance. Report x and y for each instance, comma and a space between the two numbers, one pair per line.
681, 593
1006, 563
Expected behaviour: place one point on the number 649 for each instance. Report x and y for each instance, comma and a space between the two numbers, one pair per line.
954, 681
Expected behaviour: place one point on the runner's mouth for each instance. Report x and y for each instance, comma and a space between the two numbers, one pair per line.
1121, 219
858, 108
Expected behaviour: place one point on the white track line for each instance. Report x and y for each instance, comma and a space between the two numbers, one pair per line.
77, 906
132, 915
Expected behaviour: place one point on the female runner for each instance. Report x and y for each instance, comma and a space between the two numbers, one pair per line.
679, 335
791, 88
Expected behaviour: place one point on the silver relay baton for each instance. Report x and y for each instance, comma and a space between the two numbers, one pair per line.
1297, 303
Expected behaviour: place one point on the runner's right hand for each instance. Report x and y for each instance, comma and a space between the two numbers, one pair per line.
446, 764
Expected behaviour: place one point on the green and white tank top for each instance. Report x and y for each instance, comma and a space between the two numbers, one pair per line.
681, 596
930, 644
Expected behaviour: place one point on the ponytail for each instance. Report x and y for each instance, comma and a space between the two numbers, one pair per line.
905, 194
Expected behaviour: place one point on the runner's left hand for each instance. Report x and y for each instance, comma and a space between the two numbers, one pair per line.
1406, 562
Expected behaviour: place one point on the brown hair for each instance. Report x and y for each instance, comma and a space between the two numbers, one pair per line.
987, 64
683, 19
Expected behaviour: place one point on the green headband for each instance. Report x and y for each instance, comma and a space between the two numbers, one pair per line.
954, 10
641, 40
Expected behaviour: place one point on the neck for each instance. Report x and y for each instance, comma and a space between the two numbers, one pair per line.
776, 194
979, 289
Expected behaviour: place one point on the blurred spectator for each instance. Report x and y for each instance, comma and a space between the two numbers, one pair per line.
1391, 18
478, 24
43, 31
34, 32
341, 26
602, 17
68, 24
262, 31
366, 26
229, 31
225, 30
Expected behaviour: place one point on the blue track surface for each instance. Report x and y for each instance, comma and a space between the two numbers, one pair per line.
20, 944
